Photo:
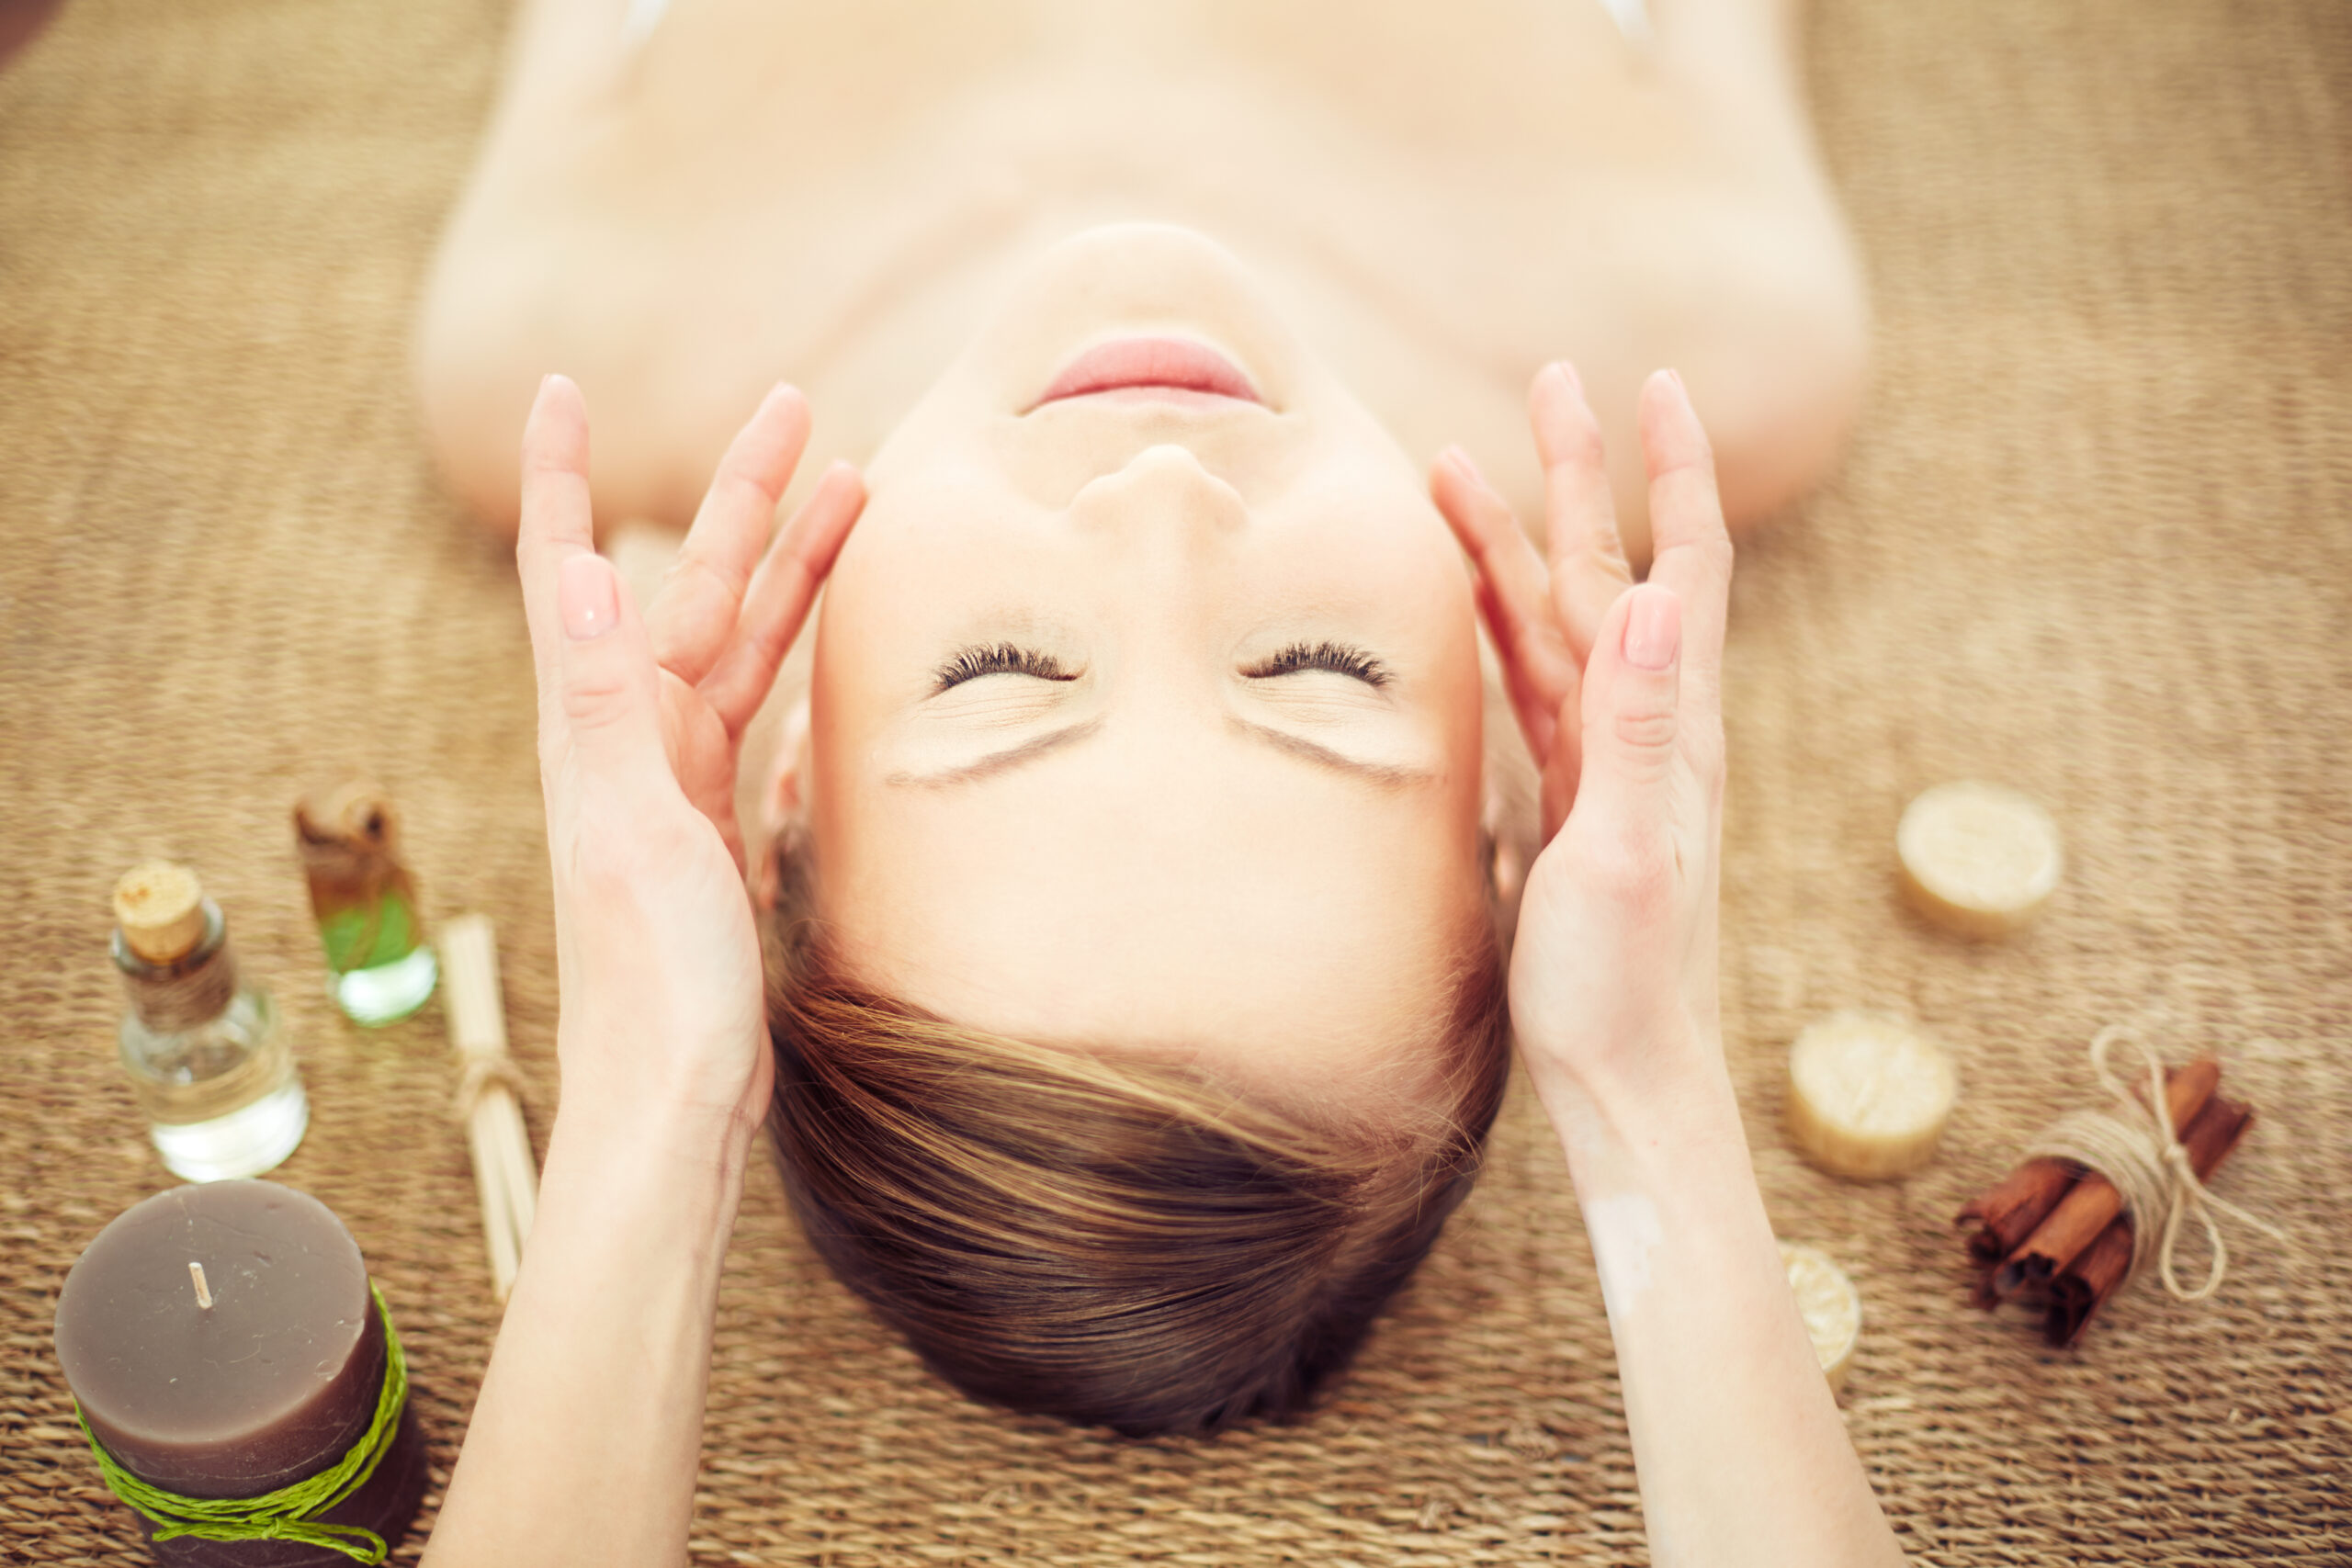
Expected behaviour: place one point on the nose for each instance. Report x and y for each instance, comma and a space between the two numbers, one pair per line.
1163, 491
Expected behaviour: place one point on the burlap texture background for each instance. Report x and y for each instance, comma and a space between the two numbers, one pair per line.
2095, 538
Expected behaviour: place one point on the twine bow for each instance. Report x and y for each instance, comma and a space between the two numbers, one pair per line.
2141, 1154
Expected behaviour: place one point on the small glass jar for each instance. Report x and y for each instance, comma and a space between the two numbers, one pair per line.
363, 903
382, 970
209, 1063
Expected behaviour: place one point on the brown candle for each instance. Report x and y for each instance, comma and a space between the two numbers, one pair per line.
271, 1382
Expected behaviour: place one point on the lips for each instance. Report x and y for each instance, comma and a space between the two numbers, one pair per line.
1174, 368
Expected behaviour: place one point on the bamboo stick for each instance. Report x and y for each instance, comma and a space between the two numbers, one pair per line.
506, 1177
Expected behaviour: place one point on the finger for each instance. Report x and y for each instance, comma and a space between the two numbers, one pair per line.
1693, 552
693, 620
1556, 790
556, 519
1513, 597
778, 599
1631, 721
608, 689
1536, 719
1587, 556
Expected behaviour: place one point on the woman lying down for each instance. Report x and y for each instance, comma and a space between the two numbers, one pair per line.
1125, 986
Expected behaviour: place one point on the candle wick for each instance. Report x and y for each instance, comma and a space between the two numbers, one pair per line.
203, 1292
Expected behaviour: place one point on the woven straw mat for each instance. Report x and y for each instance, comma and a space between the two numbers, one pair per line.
2091, 540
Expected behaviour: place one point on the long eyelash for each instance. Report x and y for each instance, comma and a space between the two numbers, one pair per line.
1337, 656
1000, 658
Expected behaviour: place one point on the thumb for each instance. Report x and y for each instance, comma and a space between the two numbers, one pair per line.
607, 689
1632, 687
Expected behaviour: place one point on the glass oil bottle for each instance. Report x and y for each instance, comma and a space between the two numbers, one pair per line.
365, 903
208, 1061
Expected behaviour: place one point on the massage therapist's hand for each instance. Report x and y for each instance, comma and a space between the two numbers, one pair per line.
1618, 691
1738, 1447
640, 721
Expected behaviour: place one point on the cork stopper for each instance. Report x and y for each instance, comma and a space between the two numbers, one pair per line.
353, 815
159, 907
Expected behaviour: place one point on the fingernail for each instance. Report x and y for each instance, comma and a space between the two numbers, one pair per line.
1462, 460
1576, 382
586, 598
1679, 390
1653, 629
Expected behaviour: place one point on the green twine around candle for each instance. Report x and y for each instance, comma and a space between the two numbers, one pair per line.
290, 1512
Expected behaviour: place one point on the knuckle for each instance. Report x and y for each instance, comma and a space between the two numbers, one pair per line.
594, 701
1585, 447
1644, 731
1599, 555
728, 579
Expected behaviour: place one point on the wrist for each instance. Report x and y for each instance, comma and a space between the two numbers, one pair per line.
678, 1166
639, 1090
1658, 1109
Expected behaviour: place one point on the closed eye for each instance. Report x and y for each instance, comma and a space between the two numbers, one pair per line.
1336, 657
996, 659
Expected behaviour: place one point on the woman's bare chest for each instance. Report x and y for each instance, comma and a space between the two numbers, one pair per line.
840, 83
1405, 136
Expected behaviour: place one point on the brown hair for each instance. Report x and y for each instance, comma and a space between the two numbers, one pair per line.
1113, 1242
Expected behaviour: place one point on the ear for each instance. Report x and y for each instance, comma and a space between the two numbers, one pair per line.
1499, 850
783, 816
1509, 788
780, 800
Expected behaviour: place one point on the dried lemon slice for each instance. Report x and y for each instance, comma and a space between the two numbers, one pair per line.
1867, 1095
1978, 859
1831, 1306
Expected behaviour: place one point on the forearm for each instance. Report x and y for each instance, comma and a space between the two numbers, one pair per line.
587, 1435
1742, 1455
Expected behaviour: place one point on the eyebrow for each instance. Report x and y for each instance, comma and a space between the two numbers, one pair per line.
1389, 776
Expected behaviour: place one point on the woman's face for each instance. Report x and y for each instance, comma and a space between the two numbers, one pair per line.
1148, 717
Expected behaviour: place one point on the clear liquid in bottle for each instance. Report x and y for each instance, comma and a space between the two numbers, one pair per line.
209, 1062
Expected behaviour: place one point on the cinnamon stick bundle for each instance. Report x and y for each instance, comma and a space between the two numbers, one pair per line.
2013, 1211
2055, 1233
2093, 1202
2078, 1293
